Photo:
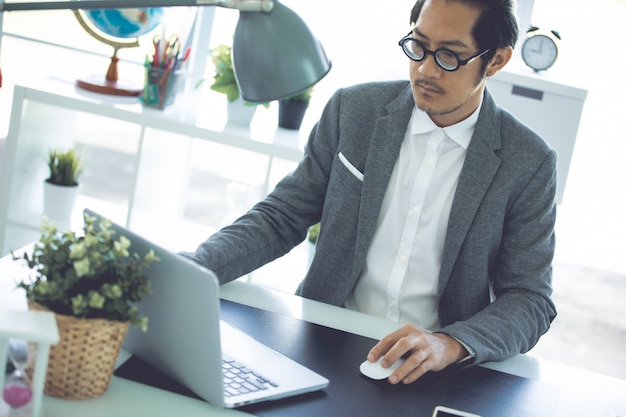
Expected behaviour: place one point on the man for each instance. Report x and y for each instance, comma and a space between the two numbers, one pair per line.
437, 207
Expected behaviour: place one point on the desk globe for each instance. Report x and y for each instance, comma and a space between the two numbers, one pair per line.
119, 28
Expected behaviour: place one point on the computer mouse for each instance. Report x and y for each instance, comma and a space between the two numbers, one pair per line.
375, 370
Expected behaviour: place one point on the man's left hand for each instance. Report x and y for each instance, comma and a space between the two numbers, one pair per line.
427, 352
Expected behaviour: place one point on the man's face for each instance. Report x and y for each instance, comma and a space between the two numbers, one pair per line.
448, 97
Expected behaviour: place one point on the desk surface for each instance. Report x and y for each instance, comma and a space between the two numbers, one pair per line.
582, 393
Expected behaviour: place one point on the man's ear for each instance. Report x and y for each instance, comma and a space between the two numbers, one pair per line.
499, 60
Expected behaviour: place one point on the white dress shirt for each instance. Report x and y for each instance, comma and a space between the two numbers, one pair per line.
400, 278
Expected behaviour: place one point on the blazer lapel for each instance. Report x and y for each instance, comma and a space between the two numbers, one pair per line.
384, 148
479, 169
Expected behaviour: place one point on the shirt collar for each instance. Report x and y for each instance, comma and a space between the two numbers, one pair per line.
461, 132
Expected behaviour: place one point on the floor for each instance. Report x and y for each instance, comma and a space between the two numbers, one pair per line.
590, 330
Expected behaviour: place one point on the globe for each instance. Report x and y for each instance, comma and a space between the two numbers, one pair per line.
126, 23
118, 28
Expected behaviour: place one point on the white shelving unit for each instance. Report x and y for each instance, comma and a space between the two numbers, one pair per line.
161, 142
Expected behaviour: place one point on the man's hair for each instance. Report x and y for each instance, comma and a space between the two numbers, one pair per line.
496, 26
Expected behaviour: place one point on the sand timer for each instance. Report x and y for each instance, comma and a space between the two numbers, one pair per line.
25, 338
17, 391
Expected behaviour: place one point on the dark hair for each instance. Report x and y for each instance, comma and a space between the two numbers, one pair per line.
496, 26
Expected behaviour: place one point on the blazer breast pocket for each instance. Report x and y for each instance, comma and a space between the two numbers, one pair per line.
358, 174
347, 174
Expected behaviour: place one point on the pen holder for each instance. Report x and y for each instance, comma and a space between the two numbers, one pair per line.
161, 86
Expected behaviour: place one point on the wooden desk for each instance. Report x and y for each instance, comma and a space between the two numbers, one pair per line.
582, 393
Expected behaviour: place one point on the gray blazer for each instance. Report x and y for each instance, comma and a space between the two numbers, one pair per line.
495, 280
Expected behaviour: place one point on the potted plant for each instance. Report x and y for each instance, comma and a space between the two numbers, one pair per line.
224, 82
61, 187
312, 235
91, 282
314, 232
291, 110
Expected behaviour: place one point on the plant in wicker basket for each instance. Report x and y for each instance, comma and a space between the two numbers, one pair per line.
91, 282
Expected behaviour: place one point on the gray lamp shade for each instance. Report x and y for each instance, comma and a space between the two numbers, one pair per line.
275, 55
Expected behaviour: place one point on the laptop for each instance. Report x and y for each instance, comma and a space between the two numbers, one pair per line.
187, 341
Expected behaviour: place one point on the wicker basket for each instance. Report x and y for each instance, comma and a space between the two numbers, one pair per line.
80, 366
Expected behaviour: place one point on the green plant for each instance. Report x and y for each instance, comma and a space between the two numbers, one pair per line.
90, 276
224, 80
314, 232
303, 96
65, 167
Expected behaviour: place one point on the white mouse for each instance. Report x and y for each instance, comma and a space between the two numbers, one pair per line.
375, 370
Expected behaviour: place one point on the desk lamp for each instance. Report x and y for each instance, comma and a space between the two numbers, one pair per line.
275, 55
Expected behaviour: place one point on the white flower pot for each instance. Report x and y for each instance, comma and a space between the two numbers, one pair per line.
240, 113
59, 200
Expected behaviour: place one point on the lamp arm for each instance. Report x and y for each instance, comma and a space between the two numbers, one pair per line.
243, 5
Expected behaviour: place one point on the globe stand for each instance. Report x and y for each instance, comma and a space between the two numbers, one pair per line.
110, 83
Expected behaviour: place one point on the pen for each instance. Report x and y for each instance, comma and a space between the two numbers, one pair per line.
156, 43
187, 52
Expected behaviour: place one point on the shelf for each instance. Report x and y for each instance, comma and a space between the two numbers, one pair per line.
520, 74
45, 114
202, 122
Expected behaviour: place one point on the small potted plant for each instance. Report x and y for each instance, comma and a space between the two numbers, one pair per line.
291, 110
312, 236
224, 82
313, 233
65, 167
61, 187
91, 282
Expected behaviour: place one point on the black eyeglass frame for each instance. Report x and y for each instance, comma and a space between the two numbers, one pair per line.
459, 62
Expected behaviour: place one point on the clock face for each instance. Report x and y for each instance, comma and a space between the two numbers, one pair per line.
539, 52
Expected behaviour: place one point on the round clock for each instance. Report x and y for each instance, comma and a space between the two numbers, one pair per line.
539, 50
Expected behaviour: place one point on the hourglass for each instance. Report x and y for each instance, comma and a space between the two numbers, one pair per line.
17, 391
25, 336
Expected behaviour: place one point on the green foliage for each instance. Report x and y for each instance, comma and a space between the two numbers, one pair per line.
89, 276
314, 232
224, 81
65, 167
303, 96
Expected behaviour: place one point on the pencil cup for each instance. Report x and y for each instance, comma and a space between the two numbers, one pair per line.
161, 86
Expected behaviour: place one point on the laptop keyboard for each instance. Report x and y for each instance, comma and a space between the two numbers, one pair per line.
239, 379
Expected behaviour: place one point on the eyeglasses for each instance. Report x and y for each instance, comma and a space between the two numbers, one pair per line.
445, 58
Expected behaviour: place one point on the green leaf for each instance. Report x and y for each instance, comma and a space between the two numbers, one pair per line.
91, 275
95, 300
79, 305
65, 167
